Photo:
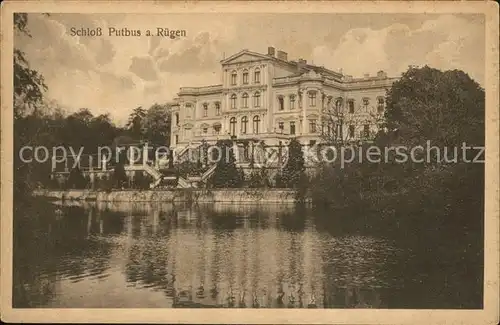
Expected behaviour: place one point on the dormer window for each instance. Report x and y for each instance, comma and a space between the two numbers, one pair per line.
245, 77
234, 77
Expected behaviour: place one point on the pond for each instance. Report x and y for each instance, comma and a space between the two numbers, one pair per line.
228, 256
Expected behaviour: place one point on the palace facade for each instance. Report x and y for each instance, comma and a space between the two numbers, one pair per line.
266, 97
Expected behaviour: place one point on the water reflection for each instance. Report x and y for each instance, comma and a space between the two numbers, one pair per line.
164, 255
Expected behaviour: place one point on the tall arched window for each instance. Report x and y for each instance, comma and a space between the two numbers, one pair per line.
234, 77
292, 101
338, 105
380, 104
256, 122
312, 98
244, 124
217, 108
244, 100
245, 77
281, 103
233, 101
256, 99
205, 110
256, 76
232, 126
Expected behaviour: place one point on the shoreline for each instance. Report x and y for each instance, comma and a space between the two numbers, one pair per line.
239, 195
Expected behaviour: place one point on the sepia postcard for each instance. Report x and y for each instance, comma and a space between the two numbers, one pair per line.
241, 162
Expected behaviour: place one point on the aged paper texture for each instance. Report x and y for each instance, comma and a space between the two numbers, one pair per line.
250, 162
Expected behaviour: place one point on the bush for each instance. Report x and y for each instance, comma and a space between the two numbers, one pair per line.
226, 174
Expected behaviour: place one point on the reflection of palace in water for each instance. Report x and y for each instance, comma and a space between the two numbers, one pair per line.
267, 256
204, 258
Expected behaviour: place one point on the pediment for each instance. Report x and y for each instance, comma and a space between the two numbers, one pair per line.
244, 56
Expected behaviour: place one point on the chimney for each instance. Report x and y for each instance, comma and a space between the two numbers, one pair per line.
366, 75
282, 56
302, 63
270, 51
381, 74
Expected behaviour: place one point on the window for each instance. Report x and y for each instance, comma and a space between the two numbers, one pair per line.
366, 130
188, 109
351, 131
292, 127
281, 126
245, 77
312, 98
177, 119
233, 101
256, 99
256, 122
256, 76
232, 126
244, 100
205, 130
176, 139
366, 101
292, 101
312, 126
244, 123
351, 106
338, 105
281, 103
234, 76
217, 109
380, 105
217, 128
205, 110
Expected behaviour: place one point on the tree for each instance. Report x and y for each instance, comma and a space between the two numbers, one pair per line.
446, 108
136, 122
156, 124
29, 85
226, 173
76, 179
294, 169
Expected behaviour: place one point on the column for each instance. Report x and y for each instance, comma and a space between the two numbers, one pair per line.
303, 106
145, 154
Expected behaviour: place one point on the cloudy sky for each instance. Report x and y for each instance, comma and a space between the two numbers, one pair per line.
116, 74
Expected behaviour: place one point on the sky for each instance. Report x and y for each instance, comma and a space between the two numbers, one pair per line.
113, 74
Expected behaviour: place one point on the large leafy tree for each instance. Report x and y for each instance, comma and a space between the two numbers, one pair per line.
446, 108
156, 124
226, 173
135, 123
29, 87
29, 84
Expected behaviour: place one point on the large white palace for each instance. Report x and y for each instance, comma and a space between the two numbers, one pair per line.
268, 98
